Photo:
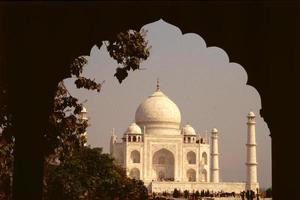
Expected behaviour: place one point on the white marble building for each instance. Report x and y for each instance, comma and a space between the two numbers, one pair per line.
157, 150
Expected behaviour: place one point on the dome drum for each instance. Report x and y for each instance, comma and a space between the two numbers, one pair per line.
161, 128
159, 124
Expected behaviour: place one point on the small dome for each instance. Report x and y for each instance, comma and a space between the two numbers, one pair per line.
83, 110
158, 108
188, 130
251, 114
134, 129
214, 130
82, 114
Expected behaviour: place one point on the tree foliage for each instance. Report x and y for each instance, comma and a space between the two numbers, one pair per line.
62, 136
90, 174
129, 49
66, 126
6, 143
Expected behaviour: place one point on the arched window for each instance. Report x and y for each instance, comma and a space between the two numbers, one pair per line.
135, 173
191, 175
134, 138
191, 157
204, 175
204, 158
135, 156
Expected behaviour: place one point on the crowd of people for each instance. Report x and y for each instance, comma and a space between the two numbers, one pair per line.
196, 195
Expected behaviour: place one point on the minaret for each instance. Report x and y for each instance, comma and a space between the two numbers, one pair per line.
83, 118
113, 140
251, 182
214, 156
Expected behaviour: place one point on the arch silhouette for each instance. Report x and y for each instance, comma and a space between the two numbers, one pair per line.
277, 88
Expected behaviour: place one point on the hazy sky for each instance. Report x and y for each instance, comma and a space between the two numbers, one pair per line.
209, 90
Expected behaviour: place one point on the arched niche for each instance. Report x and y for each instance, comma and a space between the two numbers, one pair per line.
204, 175
163, 164
204, 158
191, 157
135, 156
191, 175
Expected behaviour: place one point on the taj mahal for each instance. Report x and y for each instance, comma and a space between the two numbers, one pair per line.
165, 155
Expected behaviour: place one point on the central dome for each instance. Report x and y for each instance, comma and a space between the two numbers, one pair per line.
158, 110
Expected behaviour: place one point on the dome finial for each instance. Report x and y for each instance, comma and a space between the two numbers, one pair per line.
157, 84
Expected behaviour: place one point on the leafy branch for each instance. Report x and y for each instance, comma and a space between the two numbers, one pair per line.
129, 49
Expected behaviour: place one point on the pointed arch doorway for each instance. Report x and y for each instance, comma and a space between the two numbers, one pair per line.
163, 164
